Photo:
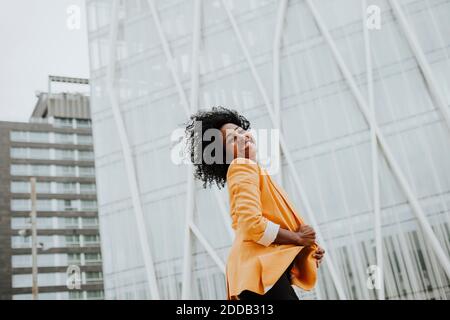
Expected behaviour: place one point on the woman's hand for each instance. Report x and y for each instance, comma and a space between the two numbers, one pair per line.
319, 255
306, 236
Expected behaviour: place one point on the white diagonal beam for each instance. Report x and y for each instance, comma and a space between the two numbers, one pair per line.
128, 158
276, 76
168, 54
190, 192
390, 159
187, 249
436, 94
194, 70
187, 274
334, 275
208, 247
374, 154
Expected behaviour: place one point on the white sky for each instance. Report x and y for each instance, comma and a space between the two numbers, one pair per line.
35, 41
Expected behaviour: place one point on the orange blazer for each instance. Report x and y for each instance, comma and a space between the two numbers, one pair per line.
258, 208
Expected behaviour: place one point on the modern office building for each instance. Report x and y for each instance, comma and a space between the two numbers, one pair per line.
56, 148
360, 92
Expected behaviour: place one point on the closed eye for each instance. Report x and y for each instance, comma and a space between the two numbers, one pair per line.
232, 134
231, 137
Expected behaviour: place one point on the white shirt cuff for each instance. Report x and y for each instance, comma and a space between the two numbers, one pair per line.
270, 234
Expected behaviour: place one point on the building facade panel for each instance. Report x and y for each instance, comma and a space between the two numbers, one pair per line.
326, 112
58, 151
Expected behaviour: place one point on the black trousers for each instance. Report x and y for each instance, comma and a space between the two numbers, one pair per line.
281, 290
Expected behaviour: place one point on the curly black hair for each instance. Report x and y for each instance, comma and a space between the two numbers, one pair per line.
210, 119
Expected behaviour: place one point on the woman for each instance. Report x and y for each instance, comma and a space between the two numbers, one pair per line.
273, 248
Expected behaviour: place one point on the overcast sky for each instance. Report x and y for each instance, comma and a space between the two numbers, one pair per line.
35, 42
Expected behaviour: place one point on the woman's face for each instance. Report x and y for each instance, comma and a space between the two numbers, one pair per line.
238, 142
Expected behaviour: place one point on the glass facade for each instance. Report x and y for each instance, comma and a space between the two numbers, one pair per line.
51, 170
54, 279
362, 107
51, 154
56, 151
50, 137
67, 295
54, 187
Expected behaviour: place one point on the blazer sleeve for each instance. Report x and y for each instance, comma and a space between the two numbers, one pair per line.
244, 190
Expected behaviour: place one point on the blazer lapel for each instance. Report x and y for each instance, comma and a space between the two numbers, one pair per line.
285, 198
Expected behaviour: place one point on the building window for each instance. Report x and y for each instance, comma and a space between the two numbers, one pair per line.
91, 239
74, 258
20, 205
86, 155
65, 171
71, 222
64, 138
21, 280
40, 170
25, 223
90, 222
38, 137
44, 223
25, 187
44, 205
84, 139
19, 169
93, 277
76, 295
94, 295
87, 188
92, 258
35, 153
43, 296
44, 279
25, 136
26, 170
19, 153
87, 172
67, 205
30, 153
20, 242
20, 187
64, 154
83, 123
46, 241
44, 260
19, 136
20, 223
88, 205
67, 187
21, 261
63, 123
43, 187
25, 205
73, 241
